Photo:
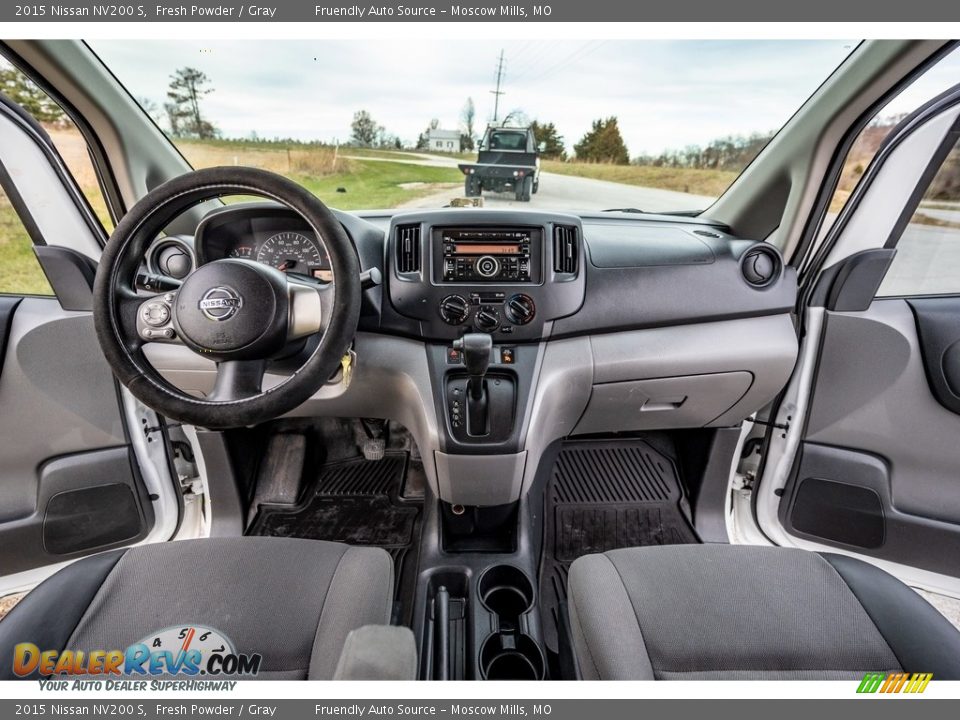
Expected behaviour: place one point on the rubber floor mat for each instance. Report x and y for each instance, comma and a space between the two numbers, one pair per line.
604, 495
355, 502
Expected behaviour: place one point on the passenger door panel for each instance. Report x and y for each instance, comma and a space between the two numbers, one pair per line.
878, 470
938, 323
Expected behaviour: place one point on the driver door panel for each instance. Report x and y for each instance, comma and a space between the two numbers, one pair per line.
68, 484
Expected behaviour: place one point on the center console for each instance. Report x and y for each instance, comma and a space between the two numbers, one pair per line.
485, 289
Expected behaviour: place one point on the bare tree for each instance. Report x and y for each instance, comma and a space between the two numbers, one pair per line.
188, 86
515, 117
468, 117
364, 130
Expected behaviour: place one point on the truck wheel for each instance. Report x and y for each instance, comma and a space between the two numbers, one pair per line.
471, 186
536, 186
525, 190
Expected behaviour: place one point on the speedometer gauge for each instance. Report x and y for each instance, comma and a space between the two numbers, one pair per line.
293, 252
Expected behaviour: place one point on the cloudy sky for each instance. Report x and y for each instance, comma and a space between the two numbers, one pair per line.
666, 94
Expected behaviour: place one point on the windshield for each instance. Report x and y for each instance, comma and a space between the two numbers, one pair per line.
658, 126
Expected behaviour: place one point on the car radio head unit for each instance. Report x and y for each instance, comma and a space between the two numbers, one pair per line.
493, 255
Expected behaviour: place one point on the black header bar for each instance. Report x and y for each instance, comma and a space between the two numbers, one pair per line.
323, 11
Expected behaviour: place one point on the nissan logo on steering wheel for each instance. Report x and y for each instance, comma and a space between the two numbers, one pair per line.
220, 303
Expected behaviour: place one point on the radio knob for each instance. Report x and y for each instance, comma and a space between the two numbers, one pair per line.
520, 309
454, 310
488, 319
487, 266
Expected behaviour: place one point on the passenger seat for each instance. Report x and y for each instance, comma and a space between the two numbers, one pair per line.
735, 612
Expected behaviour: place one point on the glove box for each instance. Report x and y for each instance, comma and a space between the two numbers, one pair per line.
686, 401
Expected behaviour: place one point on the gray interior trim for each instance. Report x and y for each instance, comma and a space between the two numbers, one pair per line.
227, 512
480, 479
378, 652
710, 504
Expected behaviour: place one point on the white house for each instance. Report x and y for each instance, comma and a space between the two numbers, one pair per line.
443, 140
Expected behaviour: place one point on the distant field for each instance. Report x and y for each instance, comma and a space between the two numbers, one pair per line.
696, 182
320, 169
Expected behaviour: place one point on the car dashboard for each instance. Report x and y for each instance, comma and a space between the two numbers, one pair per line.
599, 323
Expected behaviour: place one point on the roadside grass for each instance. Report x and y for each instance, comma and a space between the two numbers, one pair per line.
380, 184
382, 153
374, 184
687, 180
405, 153
283, 158
20, 273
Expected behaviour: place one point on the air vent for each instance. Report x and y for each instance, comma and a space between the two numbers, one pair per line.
408, 249
760, 266
565, 252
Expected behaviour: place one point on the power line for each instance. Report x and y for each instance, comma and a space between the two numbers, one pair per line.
578, 54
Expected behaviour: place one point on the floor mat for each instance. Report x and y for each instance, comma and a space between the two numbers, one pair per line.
358, 502
604, 495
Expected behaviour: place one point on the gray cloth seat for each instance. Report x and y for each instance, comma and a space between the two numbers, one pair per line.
704, 612
292, 601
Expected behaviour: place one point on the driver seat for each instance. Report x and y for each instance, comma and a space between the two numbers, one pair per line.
292, 601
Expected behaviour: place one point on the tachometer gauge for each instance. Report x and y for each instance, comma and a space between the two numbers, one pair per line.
292, 252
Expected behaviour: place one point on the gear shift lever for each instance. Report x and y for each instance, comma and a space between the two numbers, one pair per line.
476, 349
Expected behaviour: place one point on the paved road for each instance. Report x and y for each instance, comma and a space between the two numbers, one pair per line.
926, 261
941, 211
566, 192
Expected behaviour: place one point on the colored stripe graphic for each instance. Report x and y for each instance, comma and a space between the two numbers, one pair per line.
912, 683
870, 683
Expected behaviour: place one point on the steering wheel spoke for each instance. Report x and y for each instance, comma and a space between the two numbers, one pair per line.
310, 304
153, 318
238, 379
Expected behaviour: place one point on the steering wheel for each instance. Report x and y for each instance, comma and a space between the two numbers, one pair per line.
238, 313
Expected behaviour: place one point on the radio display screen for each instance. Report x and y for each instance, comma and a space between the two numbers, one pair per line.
479, 249
487, 254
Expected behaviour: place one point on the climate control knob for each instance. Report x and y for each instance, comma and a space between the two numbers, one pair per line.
454, 310
487, 319
520, 309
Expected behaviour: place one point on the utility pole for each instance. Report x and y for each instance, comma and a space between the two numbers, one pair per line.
498, 92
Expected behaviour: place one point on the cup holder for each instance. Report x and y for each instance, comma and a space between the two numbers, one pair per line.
509, 653
511, 657
505, 591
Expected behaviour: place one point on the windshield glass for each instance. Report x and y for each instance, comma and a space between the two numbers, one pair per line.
658, 126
